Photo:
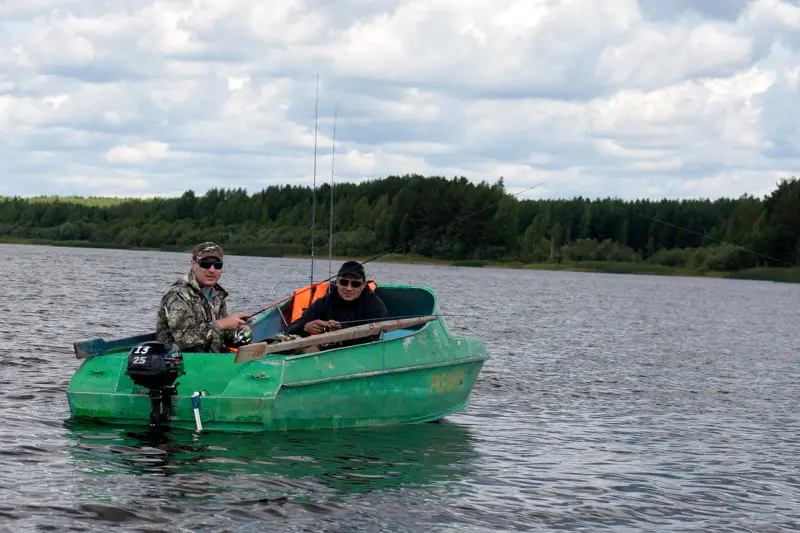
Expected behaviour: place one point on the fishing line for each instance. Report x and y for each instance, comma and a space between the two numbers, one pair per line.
407, 316
445, 226
743, 248
399, 246
314, 190
333, 157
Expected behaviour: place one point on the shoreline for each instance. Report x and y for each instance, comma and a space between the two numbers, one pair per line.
778, 275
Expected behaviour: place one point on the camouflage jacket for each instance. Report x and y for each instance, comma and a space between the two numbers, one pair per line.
188, 319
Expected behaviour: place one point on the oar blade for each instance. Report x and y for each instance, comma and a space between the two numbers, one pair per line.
251, 352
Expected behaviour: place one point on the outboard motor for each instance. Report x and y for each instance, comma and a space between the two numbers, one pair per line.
154, 366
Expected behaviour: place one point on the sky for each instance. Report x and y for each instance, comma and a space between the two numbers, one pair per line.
593, 98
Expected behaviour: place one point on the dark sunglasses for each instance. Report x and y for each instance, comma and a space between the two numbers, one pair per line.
350, 282
205, 264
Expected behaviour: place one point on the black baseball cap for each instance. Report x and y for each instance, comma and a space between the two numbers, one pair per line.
352, 268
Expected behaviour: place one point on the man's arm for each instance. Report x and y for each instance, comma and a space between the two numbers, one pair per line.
313, 312
225, 334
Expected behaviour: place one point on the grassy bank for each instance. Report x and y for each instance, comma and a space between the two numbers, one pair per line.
67, 244
276, 250
784, 275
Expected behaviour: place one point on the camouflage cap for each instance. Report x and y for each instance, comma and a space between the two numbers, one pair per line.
207, 249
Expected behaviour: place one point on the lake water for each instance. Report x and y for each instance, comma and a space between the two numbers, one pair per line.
610, 403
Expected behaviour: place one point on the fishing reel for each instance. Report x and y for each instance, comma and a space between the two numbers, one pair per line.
155, 366
242, 337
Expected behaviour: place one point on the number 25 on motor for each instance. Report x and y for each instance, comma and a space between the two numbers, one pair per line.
139, 360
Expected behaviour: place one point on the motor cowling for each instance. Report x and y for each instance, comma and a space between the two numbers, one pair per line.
154, 365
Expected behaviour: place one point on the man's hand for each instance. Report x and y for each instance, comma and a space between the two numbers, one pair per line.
233, 321
315, 327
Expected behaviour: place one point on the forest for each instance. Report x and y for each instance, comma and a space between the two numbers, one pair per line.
405, 215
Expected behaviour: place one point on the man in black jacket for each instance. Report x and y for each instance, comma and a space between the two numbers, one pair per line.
351, 303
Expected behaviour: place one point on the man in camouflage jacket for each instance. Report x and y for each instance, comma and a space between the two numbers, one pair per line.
193, 313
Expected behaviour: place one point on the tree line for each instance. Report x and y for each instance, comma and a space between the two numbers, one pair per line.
385, 214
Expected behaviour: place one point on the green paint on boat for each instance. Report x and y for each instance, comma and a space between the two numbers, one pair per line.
410, 376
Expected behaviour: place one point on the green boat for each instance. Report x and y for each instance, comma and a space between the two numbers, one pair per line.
416, 371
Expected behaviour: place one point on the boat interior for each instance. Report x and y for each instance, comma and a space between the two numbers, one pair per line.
401, 302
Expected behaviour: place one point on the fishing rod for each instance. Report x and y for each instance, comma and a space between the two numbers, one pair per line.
703, 235
365, 320
402, 245
314, 190
333, 156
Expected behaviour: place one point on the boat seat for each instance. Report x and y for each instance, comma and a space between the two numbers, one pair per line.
305, 296
396, 333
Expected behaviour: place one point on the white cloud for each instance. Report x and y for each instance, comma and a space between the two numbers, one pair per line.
659, 56
614, 148
237, 83
628, 98
138, 153
116, 183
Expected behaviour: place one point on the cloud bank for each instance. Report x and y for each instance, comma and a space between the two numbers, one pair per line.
654, 98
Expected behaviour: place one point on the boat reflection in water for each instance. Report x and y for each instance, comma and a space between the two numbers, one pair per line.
345, 460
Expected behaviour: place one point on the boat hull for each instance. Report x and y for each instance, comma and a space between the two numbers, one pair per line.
403, 397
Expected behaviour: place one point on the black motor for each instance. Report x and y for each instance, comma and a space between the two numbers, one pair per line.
156, 367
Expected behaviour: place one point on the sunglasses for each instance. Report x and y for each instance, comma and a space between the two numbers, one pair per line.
205, 264
350, 282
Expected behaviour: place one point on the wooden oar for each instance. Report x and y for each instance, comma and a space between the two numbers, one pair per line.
252, 352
